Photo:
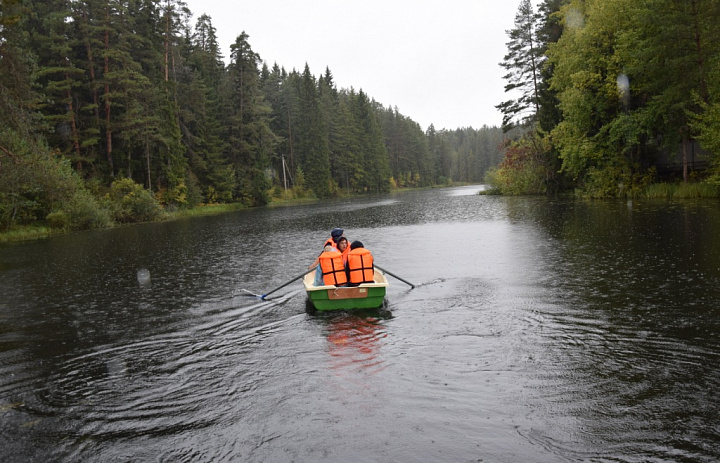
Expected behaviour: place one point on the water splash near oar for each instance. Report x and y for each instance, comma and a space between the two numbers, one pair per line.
250, 293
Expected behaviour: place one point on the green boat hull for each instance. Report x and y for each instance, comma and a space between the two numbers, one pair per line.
365, 296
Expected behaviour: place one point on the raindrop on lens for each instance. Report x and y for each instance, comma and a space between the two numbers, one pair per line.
623, 85
143, 276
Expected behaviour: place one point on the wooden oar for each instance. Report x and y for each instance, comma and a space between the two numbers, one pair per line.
287, 283
392, 274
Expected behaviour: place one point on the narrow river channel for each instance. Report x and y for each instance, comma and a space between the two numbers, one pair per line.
540, 330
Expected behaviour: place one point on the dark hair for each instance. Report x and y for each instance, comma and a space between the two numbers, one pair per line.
356, 244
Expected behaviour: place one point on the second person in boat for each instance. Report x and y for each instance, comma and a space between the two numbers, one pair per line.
360, 265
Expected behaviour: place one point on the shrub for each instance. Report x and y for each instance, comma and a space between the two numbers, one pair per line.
277, 192
132, 203
194, 192
522, 172
176, 196
58, 220
85, 212
34, 181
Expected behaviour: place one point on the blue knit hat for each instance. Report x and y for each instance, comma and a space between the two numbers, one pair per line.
336, 233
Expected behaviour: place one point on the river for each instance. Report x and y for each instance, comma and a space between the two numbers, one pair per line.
539, 330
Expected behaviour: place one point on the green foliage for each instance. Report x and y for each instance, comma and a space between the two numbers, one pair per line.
632, 78
706, 123
618, 180
521, 173
82, 212
85, 212
408, 150
313, 142
707, 126
127, 90
176, 196
27, 232
251, 139
682, 190
130, 202
58, 220
33, 181
300, 180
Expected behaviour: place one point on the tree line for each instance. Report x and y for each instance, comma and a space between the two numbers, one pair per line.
113, 109
603, 91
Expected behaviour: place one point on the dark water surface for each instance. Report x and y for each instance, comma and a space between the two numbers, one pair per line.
541, 330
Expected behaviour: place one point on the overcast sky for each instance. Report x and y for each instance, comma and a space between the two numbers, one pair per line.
435, 60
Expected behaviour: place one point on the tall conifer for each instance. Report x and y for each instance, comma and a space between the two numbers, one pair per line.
522, 62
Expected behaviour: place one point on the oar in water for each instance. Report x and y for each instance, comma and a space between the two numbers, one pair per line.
392, 274
285, 284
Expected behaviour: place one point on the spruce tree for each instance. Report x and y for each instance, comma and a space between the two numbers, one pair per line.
252, 141
200, 81
51, 37
313, 145
372, 146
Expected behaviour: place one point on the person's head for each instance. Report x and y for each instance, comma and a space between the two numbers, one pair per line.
342, 243
328, 248
356, 244
336, 233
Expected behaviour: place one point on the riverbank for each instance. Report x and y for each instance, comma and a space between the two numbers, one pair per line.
41, 231
677, 190
37, 231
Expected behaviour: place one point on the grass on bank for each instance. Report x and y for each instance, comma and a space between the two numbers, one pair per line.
39, 231
697, 190
700, 190
28, 232
203, 209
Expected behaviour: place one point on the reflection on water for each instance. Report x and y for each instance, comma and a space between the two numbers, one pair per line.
539, 330
354, 341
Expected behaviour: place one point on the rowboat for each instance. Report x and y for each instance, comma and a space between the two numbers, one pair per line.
365, 296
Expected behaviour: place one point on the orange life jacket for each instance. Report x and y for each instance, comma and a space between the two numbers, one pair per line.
345, 254
333, 269
360, 266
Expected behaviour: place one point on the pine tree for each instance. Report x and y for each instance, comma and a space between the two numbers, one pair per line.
523, 62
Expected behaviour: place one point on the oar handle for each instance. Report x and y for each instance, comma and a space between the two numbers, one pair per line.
392, 274
287, 283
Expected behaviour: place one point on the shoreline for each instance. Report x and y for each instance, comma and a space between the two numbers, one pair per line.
38, 231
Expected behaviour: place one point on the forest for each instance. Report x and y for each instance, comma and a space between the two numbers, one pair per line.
614, 98
122, 110
117, 110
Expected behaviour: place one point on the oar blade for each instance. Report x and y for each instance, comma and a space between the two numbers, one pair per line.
286, 283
